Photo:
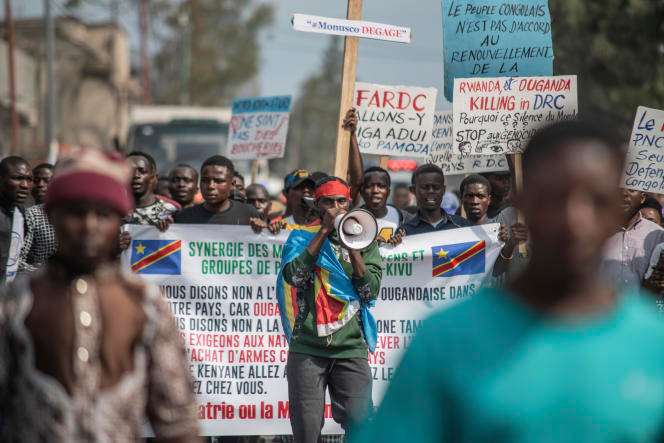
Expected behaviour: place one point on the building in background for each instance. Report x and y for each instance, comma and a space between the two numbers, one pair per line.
93, 85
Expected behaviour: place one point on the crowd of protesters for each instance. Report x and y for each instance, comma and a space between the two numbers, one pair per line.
88, 352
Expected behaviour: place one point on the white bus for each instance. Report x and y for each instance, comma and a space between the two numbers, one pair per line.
178, 134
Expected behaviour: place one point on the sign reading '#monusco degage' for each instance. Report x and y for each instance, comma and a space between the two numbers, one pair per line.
351, 28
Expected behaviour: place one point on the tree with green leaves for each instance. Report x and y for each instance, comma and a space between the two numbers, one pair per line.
312, 128
616, 49
216, 41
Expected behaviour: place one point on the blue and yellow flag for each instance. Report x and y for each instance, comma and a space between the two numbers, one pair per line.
459, 259
156, 256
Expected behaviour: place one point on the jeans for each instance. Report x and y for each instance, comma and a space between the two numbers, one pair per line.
348, 381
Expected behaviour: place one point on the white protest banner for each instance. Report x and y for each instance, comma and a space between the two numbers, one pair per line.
394, 120
498, 115
259, 127
441, 153
222, 294
644, 168
352, 28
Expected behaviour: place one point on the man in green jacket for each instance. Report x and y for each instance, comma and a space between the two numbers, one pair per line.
328, 348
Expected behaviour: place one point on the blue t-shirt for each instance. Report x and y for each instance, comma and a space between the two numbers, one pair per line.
493, 370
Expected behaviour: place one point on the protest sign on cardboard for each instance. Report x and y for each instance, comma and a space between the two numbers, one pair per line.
498, 115
352, 28
644, 168
493, 38
258, 127
394, 120
441, 153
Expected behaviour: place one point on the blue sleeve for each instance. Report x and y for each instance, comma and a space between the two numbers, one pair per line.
413, 408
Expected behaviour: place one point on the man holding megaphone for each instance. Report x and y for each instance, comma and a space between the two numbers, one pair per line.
331, 274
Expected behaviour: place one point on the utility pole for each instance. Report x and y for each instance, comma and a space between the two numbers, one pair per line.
145, 54
51, 139
12, 79
184, 20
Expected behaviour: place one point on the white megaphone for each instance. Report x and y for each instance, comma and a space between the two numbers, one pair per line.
356, 229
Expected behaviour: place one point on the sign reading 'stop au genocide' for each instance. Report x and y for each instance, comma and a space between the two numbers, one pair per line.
494, 38
442, 154
394, 120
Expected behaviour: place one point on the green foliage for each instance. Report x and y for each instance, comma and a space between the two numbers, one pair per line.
616, 47
312, 127
223, 49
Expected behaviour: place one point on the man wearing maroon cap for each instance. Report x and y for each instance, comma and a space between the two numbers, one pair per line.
102, 344
335, 359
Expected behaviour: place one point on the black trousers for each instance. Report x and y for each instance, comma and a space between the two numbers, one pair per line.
348, 381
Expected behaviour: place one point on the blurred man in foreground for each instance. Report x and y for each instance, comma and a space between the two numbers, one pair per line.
87, 352
560, 355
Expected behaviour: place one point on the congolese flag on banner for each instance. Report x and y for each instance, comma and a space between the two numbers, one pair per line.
458, 259
156, 256
337, 301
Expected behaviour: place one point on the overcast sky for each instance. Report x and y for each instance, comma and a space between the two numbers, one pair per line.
289, 57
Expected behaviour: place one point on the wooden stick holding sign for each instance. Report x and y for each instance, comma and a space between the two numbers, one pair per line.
518, 183
254, 170
383, 161
347, 91
352, 29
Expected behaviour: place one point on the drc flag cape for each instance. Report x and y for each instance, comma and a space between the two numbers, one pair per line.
336, 301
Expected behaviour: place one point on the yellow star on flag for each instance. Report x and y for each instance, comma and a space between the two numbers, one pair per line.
441, 253
140, 249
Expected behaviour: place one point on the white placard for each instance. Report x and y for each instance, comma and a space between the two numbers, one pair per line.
498, 115
394, 120
259, 127
352, 28
441, 153
644, 168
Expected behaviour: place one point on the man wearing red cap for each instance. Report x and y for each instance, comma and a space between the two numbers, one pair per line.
331, 288
88, 353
